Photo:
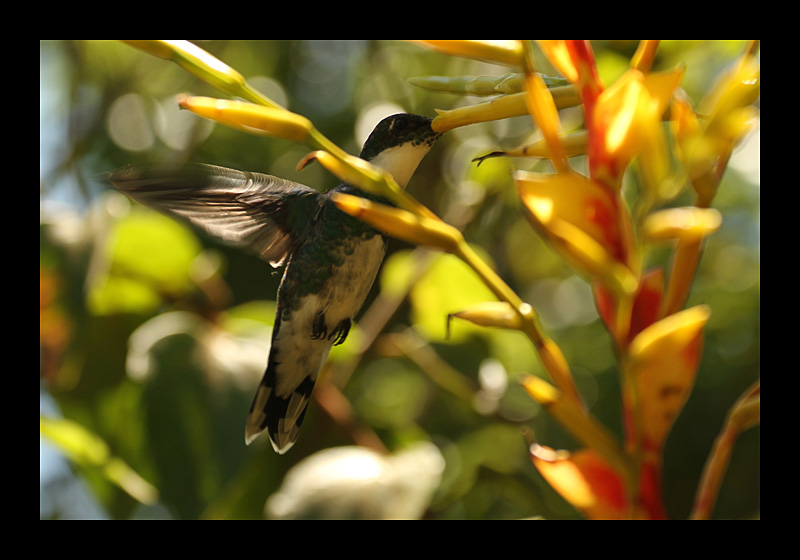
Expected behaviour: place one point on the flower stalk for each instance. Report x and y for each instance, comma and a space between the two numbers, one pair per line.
745, 414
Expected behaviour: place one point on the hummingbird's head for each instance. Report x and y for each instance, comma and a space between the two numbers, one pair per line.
398, 143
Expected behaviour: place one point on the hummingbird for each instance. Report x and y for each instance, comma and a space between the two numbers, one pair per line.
331, 259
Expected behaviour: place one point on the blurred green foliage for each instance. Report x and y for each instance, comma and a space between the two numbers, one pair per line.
153, 339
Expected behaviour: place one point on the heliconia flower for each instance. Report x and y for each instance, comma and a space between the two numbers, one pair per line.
687, 130
704, 146
491, 314
417, 229
575, 60
368, 177
585, 221
626, 122
502, 107
685, 224
689, 226
542, 107
662, 365
250, 117
645, 53
350, 169
195, 60
503, 51
584, 480
205, 66
558, 54
729, 106
623, 120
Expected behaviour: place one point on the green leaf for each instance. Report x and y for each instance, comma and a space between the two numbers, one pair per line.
448, 286
149, 258
88, 451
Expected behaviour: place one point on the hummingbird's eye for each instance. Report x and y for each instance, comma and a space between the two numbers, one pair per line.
399, 126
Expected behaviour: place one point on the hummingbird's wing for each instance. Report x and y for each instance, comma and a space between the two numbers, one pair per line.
244, 209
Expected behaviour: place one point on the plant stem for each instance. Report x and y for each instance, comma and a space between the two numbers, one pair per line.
549, 353
744, 414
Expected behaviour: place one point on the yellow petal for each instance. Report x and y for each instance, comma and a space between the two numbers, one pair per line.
352, 170
643, 57
687, 224
419, 230
250, 117
503, 107
367, 177
739, 88
491, 314
543, 108
503, 52
205, 66
696, 155
195, 60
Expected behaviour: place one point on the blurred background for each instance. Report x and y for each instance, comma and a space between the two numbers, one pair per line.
153, 338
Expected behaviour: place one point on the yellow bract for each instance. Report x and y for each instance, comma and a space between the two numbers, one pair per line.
627, 117
583, 479
664, 359
671, 333
583, 220
558, 54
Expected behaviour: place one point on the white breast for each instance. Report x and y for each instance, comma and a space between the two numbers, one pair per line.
342, 297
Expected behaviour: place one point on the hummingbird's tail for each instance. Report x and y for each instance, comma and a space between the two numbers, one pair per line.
280, 404
280, 416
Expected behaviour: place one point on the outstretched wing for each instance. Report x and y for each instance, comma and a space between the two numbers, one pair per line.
249, 210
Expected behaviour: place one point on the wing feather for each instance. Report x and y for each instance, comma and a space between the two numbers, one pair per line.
244, 209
